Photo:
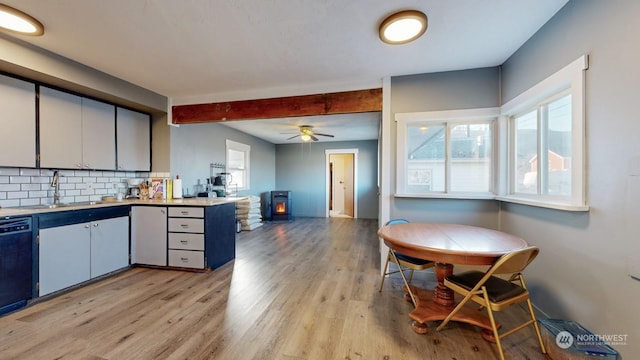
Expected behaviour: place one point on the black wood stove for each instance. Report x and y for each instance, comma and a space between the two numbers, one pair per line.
281, 208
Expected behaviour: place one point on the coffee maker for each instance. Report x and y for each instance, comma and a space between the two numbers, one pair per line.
133, 191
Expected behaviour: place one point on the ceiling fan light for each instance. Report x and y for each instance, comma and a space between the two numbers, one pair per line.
19, 22
403, 27
305, 137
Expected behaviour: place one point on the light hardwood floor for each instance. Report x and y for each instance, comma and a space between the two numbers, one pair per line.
306, 289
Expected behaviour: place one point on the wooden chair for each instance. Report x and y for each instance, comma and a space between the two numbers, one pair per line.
495, 293
404, 262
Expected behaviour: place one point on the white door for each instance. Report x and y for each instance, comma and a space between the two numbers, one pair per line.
342, 182
348, 190
149, 235
338, 185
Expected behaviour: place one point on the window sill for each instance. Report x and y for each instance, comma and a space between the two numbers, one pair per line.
447, 196
545, 204
510, 199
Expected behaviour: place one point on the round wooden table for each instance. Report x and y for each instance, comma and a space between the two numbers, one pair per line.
448, 244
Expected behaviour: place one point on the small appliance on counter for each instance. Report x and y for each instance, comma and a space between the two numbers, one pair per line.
133, 191
215, 187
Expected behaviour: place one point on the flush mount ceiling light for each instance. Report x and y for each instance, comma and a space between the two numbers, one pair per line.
403, 27
18, 22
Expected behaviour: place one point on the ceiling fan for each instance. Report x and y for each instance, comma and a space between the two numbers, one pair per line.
307, 133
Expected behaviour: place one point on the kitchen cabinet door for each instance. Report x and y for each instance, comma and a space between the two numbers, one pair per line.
60, 129
134, 140
64, 257
98, 135
18, 121
149, 235
109, 245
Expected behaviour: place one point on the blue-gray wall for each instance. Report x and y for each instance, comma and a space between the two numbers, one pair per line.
194, 146
454, 90
300, 168
581, 273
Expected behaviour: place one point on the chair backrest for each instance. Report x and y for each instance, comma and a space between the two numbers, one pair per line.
515, 261
397, 221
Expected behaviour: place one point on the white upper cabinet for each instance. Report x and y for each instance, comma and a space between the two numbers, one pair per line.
133, 140
18, 122
98, 135
60, 129
75, 132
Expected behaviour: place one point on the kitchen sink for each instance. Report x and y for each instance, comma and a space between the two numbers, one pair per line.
45, 206
55, 206
83, 203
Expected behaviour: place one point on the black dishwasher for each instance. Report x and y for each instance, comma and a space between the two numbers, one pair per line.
16, 254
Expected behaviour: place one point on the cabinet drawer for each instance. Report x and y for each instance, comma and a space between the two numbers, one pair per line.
186, 225
194, 212
186, 258
186, 241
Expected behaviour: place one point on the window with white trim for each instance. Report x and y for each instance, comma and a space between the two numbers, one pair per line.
238, 156
446, 153
545, 137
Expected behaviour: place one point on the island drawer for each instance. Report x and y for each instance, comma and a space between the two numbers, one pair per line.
186, 259
186, 225
191, 212
186, 241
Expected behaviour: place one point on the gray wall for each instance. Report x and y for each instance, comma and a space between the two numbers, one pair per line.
467, 89
301, 169
20, 58
195, 146
581, 273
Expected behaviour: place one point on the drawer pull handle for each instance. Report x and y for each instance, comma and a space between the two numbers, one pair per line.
184, 212
184, 241
184, 259
184, 226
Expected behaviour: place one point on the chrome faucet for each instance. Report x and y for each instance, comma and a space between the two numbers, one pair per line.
55, 184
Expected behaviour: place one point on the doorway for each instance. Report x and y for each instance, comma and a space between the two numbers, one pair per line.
341, 169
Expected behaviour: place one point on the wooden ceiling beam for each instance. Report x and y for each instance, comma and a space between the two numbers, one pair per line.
347, 102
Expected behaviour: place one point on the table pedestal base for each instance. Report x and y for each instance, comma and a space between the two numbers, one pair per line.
428, 310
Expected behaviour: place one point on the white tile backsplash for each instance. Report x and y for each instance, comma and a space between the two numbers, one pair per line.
26, 186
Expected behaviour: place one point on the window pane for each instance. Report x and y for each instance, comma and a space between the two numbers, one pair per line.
236, 159
237, 178
471, 158
558, 138
425, 158
526, 153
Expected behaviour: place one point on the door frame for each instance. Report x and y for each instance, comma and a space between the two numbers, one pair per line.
354, 152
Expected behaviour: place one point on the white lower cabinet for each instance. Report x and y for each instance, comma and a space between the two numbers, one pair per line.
109, 245
149, 235
186, 237
186, 258
71, 254
64, 257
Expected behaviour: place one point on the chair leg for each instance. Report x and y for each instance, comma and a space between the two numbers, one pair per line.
384, 273
411, 276
536, 326
454, 311
493, 323
413, 298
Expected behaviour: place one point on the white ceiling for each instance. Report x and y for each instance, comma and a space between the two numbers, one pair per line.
198, 51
